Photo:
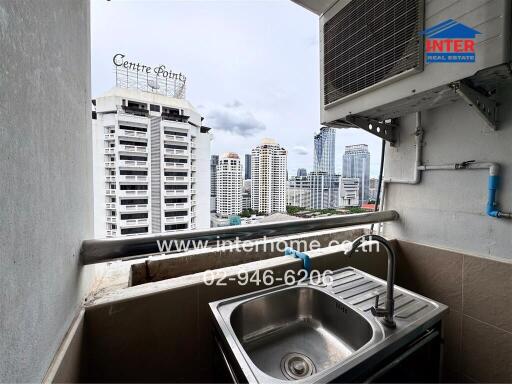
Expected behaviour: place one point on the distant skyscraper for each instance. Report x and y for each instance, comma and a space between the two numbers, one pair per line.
302, 172
324, 153
268, 177
214, 162
247, 171
229, 185
356, 164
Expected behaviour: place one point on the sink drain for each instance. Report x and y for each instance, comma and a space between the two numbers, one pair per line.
297, 366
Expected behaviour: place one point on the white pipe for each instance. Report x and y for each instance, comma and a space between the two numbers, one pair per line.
494, 170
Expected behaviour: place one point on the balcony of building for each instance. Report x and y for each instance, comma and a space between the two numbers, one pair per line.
133, 222
132, 193
176, 192
176, 206
133, 178
128, 133
170, 165
176, 152
135, 110
132, 148
133, 164
133, 208
175, 138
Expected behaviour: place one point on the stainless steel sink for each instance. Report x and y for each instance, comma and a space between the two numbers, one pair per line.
297, 332
318, 333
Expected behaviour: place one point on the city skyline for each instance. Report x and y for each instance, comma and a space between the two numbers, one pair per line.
251, 103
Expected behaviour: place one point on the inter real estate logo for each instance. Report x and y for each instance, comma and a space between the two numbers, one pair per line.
450, 42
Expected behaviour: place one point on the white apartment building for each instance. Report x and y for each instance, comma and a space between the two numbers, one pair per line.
268, 177
298, 193
349, 192
229, 185
151, 164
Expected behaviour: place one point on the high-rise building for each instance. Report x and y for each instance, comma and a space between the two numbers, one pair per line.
229, 185
356, 164
268, 177
302, 172
247, 170
372, 190
151, 156
349, 192
298, 193
214, 162
324, 152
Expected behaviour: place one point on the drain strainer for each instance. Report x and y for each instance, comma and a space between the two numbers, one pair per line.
297, 366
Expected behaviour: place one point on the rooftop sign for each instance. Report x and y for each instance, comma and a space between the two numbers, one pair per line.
159, 79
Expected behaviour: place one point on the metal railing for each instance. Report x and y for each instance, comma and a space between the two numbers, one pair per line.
103, 250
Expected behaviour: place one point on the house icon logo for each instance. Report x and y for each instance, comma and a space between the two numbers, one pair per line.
450, 42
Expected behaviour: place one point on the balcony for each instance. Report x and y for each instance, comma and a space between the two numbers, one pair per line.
133, 222
110, 136
175, 138
111, 179
133, 148
111, 219
133, 193
175, 118
110, 192
179, 152
110, 164
176, 179
136, 111
111, 233
109, 151
133, 178
176, 192
132, 134
169, 165
176, 220
133, 163
174, 206
110, 205
134, 208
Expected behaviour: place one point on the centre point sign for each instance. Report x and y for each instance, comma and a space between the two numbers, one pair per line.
160, 71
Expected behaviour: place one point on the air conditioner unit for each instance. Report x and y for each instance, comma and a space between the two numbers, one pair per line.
373, 61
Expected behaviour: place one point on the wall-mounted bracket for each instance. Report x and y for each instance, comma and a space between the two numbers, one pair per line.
386, 131
485, 107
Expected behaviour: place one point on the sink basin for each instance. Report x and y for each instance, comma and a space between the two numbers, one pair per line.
297, 332
310, 333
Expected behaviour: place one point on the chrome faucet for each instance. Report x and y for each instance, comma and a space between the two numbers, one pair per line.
386, 313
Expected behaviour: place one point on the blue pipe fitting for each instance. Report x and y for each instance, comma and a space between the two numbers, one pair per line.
491, 199
306, 261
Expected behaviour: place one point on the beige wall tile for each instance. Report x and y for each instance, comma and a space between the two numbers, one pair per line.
487, 288
486, 352
432, 272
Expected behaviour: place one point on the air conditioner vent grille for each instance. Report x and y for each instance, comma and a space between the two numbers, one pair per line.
369, 41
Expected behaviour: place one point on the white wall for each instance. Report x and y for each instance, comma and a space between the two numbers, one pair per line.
45, 178
448, 208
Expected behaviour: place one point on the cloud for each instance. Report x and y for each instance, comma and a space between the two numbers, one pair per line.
234, 118
300, 150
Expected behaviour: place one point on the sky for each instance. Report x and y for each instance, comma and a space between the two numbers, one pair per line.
252, 68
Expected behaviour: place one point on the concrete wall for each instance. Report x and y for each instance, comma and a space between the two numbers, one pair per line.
448, 208
46, 178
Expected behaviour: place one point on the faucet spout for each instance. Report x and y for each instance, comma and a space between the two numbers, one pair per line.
387, 313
